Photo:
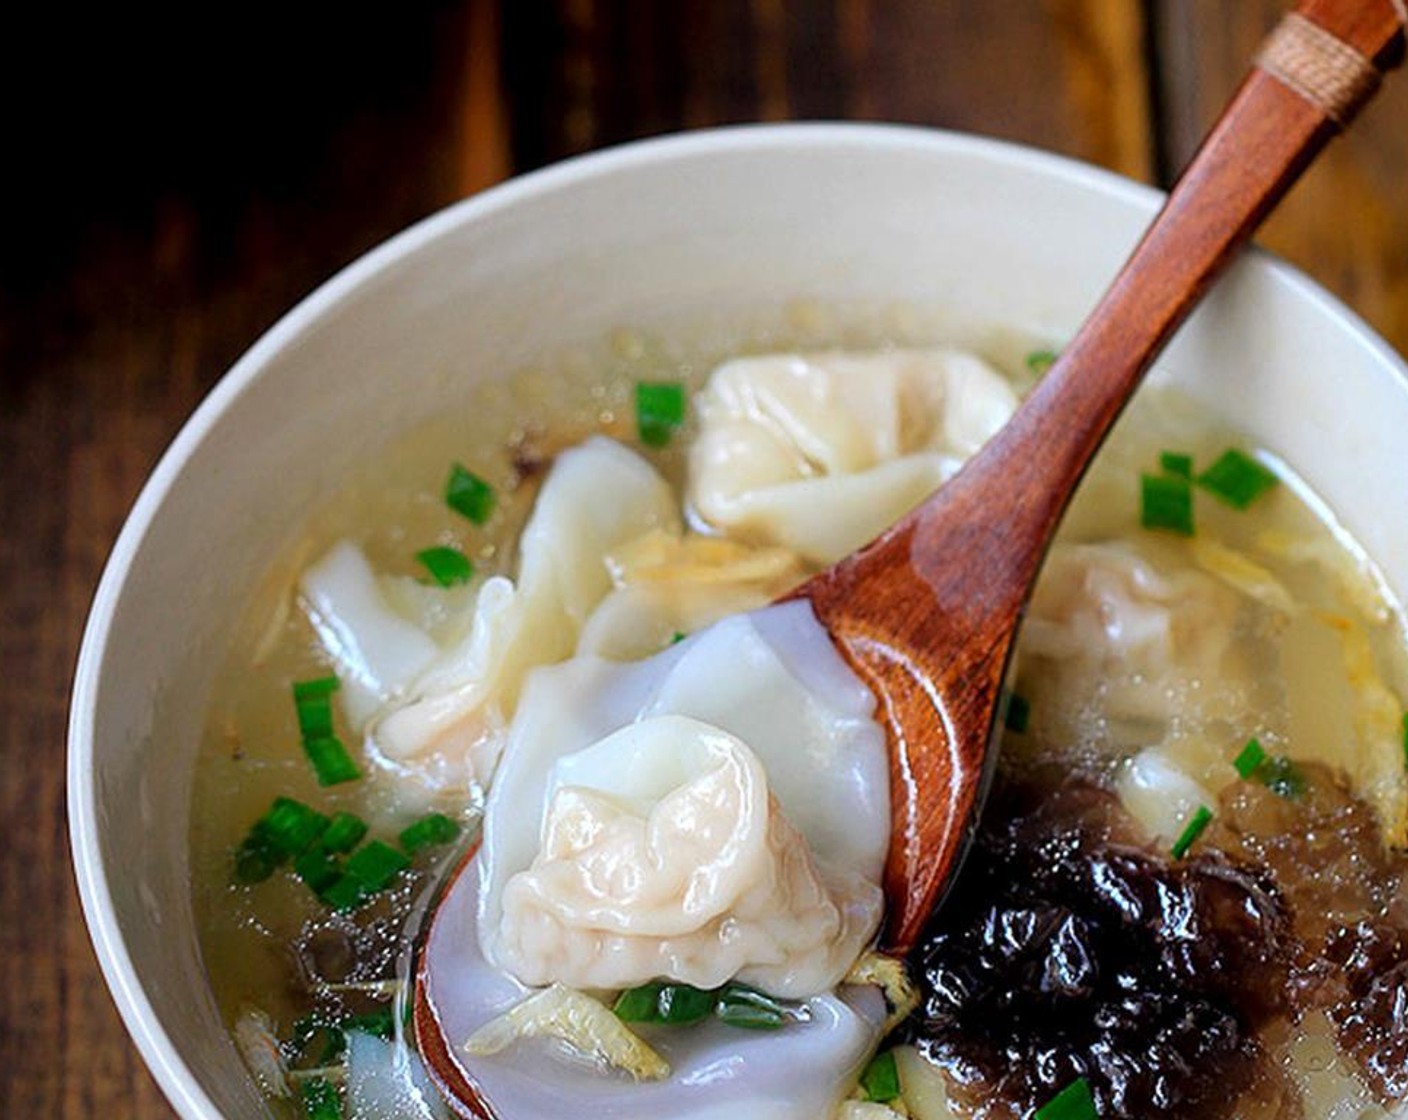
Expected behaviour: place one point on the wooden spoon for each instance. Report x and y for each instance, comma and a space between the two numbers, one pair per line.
927, 613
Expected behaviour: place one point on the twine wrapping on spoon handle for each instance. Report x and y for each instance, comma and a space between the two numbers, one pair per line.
1320, 67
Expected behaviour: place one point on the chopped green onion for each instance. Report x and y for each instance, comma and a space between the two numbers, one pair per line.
1200, 820
344, 894
682, 1003
314, 717
375, 865
1074, 1102
447, 566
290, 826
1039, 361
1250, 758
321, 688
285, 830
331, 762
1237, 479
1176, 463
305, 1030
881, 1079
745, 1007
735, 1004
317, 868
344, 833
659, 411
380, 1023
428, 832
1166, 502
320, 1100
639, 1005
679, 635
665, 1003
1019, 713
1282, 777
468, 494
255, 861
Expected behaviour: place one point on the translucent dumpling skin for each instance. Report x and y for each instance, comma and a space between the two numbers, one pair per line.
664, 855
720, 809
821, 452
717, 1072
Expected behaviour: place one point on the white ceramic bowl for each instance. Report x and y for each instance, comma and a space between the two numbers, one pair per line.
706, 222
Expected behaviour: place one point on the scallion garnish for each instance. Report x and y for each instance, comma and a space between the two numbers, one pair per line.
319, 688
1249, 759
431, 830
1074, 1102
1282, 777
447, 566
1237, 479
331, 762
317, 868
1039, 361
735, 1004
254, 862
638, 1005
320, 1100
1176, 463
659, 411
311, 1027
1166, 502
284, 831
290, 826
1200, 820
468, 494
679, 635
683, 1003
312, 700
345, 893
881, 1079
343, 833
741, 1006
314, 717
380, 1023
375, 865
1018, 714
659, 1002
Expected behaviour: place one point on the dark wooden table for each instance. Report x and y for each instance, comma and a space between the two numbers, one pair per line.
173, 181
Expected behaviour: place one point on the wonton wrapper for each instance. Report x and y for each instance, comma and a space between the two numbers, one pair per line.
440, 708
1145, 643
597, 496
664, 854
669, 586
614, 857
822, 452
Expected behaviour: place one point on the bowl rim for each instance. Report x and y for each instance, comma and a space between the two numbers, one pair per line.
177, 1081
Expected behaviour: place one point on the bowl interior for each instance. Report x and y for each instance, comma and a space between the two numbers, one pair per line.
717, 223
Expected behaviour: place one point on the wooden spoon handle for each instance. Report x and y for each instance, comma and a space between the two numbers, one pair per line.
1319, 66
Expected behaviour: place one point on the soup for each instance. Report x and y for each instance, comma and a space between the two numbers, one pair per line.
1187, 897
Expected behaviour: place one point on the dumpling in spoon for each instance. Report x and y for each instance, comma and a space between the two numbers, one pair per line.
717, 812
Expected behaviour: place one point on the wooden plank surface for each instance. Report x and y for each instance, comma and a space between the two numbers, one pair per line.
163, 207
